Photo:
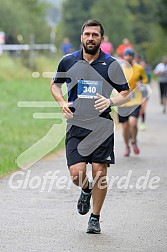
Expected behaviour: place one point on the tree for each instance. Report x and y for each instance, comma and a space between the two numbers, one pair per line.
149, 27
74, 13
80, 11
143, 12
24, 17
144, 22
157, 47
162, 13
116, 18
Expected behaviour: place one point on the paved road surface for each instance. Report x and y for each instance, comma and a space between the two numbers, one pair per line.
132, 219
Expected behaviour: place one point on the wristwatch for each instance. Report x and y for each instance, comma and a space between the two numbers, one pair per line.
111, 103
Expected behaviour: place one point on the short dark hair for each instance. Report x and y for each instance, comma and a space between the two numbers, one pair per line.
93, 22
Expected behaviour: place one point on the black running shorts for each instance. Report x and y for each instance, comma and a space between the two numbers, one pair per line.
163, 89
125, 112
104, 153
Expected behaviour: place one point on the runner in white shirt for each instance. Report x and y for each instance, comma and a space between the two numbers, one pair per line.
161, 71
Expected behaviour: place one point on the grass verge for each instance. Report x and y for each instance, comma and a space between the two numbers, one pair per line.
18, 129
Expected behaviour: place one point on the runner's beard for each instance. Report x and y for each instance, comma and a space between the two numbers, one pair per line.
93, 50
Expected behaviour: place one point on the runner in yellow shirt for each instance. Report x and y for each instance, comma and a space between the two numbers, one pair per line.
128, 114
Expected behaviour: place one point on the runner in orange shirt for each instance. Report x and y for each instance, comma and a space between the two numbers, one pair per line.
121, 48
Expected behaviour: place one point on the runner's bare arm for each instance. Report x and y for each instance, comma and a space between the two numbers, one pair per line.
103, 103
57, 94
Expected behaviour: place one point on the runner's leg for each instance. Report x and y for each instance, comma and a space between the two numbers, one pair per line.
99, 173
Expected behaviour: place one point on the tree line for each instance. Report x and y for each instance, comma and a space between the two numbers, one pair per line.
22, 18
144, 22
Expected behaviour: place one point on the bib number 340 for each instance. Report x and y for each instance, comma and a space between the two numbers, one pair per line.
89, 88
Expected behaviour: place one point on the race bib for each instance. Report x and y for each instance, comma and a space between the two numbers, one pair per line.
89, 88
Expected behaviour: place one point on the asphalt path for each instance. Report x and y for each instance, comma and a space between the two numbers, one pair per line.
38, 216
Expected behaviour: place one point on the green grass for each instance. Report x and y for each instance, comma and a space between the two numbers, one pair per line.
18, 129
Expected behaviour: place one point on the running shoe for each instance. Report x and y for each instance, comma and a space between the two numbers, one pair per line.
93, 226
142, 126
127, 151
135, 148
83, 205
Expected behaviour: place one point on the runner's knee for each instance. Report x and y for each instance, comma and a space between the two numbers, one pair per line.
99, 172
77, 172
